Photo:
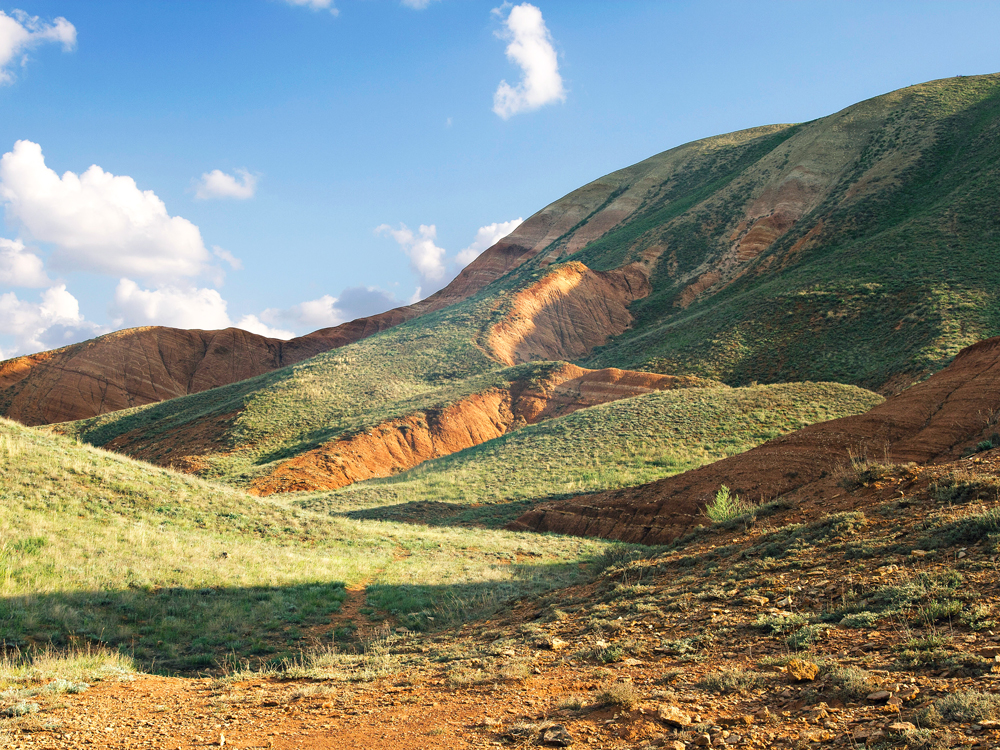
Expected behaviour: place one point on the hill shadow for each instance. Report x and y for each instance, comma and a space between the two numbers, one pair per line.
190, 631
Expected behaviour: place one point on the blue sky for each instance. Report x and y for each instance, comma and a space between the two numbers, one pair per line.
342, 134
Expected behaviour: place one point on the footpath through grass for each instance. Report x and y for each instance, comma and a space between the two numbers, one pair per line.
620, 444
181, 574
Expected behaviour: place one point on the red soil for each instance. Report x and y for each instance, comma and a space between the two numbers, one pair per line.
931, 422
402, 443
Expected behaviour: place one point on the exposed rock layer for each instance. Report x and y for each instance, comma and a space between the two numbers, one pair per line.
932, 422
402, 443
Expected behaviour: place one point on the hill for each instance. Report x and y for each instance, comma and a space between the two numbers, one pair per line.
99, 550
953, 413
622, 443
867, 236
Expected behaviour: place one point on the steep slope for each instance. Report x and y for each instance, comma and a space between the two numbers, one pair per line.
952, 412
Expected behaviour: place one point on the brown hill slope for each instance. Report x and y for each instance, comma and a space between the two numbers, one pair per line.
932, 422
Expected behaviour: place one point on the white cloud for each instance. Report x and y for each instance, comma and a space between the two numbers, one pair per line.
426, 258
253, 324
218, 184
486, 237
328, 311
36, 326
417, 4
19, 32
316, 5
20, 268
531, 48
169, 306
434, 269
98, 221
235, 263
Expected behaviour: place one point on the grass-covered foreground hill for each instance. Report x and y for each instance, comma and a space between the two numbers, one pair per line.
97, 549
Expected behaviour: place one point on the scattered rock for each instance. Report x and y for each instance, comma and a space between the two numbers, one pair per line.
557, 736
702, 740
901, 727
879, 695
757, 601
673, 717
802, 670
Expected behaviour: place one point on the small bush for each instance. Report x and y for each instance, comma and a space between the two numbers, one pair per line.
968, 707
861, 620
853, 683
776, 624
21, 708
733, 680
623, 694
806, 636
727, 506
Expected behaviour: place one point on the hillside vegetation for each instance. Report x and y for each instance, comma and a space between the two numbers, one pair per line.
858, 248
99, 549
624, 443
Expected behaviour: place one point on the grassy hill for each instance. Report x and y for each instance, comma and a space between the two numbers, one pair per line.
619, 444
100, 549
860, 248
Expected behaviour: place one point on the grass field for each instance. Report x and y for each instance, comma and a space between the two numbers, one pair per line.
179, 573
623, 443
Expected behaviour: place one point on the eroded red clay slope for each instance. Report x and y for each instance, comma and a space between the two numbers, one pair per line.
400, 444
932, 422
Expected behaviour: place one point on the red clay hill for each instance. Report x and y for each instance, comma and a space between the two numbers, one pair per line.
933, 422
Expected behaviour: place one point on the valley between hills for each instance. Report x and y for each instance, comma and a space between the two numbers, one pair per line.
704, 454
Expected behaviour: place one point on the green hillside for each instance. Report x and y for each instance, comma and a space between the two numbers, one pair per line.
860, 248
182, 574
902, 272
620, 444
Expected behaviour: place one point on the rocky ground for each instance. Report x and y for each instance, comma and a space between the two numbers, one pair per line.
865, 616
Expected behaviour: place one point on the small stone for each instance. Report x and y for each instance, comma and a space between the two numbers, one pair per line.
557, 736
702, 740
879, 695
757, 601
557, 644
802, 670
673, 717
675, 745
918, 552
901, 727
989, 724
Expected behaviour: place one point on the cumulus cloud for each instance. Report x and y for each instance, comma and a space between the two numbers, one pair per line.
530, 48
20, 32
98, 221
19, 267
328, 311
426, 258
38, 325
169, 306
486, 237
218, 184
255, 325
235, 263
316, 5
431, 263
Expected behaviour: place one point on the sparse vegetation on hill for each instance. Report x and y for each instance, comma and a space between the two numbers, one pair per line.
623, 443
176, 572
